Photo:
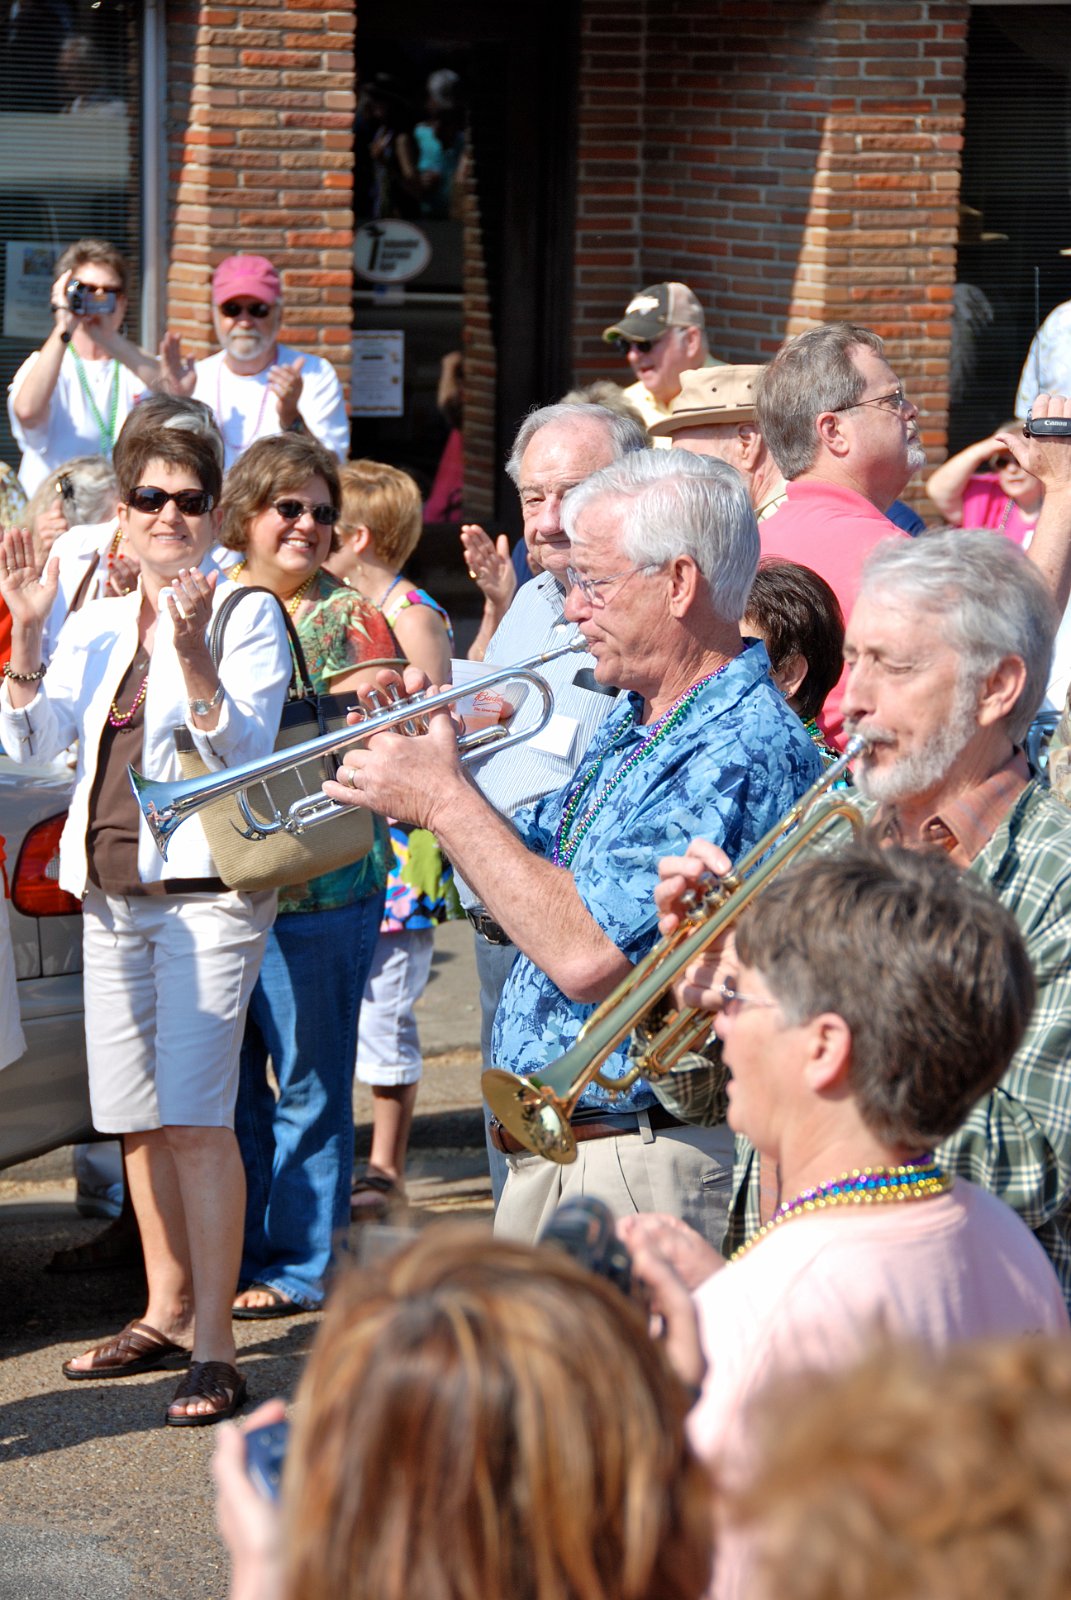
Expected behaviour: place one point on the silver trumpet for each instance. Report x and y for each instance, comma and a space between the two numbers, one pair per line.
166, 805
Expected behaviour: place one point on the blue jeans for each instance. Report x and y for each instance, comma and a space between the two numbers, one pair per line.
298, 1150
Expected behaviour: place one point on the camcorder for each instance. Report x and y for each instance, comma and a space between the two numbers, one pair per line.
84, 301
584, 1229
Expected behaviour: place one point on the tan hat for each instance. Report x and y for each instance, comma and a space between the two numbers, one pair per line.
661, 306
711, 394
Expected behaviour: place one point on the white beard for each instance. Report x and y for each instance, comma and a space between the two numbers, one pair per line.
245, 344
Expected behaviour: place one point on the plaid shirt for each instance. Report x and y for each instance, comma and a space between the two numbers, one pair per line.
1016, 1142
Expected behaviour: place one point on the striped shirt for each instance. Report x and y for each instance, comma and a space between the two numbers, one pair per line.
524, 774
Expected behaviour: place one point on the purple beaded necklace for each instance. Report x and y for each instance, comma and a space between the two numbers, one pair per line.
566, 840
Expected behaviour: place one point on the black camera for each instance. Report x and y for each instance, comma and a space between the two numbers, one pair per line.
85, 301
584, 1229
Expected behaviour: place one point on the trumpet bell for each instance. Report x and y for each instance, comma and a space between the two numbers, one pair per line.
531, 1110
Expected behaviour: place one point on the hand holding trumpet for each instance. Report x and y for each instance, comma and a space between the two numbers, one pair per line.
682, 882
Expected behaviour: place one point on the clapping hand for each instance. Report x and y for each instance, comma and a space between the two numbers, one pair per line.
178, 376
489, 565
286, 383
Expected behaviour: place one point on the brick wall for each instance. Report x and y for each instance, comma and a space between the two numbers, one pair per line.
481, 368
260, 111
793, 160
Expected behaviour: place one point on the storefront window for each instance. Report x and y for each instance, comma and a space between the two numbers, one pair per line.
69, 120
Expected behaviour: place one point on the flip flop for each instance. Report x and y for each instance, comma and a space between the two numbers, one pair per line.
217, 1381
278, 1306
373, 1196
138, 1347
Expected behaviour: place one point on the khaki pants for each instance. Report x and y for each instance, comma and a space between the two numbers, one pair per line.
685, 1172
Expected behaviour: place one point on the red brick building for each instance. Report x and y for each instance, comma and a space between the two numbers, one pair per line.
793, 160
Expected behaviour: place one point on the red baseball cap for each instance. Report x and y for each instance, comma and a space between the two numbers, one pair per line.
251, 275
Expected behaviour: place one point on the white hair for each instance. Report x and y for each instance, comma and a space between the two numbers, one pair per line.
678, 504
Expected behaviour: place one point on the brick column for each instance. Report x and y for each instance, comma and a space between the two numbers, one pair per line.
260, 114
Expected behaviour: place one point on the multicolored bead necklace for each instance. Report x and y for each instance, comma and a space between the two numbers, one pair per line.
106, 429
123, 719
566, 842
295, 599
863, 1186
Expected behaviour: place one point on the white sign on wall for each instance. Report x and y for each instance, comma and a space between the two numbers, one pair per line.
377, 386
390, 251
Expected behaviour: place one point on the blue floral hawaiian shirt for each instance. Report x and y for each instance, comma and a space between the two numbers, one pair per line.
737, 760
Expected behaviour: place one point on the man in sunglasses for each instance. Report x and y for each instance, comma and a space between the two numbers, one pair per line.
661, 335
255, 385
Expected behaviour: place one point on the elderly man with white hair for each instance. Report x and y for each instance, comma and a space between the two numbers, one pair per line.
948, 652
664, 548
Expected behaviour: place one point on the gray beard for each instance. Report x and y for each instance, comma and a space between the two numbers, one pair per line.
925, 769
916, 456
247, 346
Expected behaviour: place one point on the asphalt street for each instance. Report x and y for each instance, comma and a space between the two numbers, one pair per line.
97, 1498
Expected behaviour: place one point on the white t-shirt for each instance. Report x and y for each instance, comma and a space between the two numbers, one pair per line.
73, 427
246, 409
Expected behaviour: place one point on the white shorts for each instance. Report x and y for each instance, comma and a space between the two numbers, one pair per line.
167, 982
388, 1045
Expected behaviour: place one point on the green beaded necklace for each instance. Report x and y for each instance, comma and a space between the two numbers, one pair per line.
106, 429
566, 843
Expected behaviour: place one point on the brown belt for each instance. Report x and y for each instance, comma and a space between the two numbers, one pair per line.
608, 1127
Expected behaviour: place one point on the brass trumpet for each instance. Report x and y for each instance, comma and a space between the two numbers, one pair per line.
166, 805
536, 1110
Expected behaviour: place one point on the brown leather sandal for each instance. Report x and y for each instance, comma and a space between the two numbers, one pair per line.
217, 1381
139, 1347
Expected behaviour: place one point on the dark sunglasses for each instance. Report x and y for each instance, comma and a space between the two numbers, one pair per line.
292, 510
191, 502
644, 346
997, 463
255, 308
65, 485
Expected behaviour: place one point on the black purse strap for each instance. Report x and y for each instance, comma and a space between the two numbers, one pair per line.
300, 682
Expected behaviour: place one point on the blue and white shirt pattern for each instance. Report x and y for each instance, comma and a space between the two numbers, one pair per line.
735, 763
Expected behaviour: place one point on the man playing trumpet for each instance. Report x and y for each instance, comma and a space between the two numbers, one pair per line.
664, 550
948, 651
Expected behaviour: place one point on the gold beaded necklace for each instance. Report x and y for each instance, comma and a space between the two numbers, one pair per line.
863, 1186
295, 599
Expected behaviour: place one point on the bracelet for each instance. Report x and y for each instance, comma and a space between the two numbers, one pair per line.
201, 708
23, 677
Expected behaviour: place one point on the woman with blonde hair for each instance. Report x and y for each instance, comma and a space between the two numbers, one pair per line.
481, 1419
380, 527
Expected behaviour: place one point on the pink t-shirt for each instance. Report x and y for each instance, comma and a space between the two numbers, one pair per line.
832, 530
821, 1290
985, 506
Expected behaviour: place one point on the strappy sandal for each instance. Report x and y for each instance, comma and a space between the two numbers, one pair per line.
373, 1196
217, 1381
139, 1347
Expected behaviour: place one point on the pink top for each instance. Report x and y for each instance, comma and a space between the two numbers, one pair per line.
986, 506
831, 530
821, 1290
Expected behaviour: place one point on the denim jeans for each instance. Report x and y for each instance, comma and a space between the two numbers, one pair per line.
298, 1150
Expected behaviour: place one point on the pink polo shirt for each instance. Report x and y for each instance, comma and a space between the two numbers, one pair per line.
832, 530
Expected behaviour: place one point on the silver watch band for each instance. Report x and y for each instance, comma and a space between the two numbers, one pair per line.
201, 708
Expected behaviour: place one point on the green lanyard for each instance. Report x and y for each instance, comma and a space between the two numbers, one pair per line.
106, 429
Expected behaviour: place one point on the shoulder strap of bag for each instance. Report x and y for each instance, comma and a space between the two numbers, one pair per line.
300, 682
83, 588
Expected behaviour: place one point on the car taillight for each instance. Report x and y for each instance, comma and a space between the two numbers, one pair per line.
35, 889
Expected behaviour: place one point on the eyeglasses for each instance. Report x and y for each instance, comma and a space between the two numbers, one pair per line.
65, 485
252, 308
191, 502
733, 1001
591, 588
293, 510
998, 463
642, 346
896, 400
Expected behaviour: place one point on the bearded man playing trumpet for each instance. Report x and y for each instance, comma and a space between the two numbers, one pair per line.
948, 651
664, 550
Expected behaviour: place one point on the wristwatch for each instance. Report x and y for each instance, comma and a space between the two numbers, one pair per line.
201, 708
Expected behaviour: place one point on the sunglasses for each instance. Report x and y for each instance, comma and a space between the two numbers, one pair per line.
643, 346
292, 510
254, 308
999, 462
65, 485
191, 502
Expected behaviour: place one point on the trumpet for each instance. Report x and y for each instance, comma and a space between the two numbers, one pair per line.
537, 1110
166, 805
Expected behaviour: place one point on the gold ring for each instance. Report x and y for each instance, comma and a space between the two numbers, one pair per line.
471, 573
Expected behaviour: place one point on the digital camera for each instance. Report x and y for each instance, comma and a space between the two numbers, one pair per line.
84, 303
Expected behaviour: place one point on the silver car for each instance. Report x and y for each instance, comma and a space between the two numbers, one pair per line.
44, 1096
